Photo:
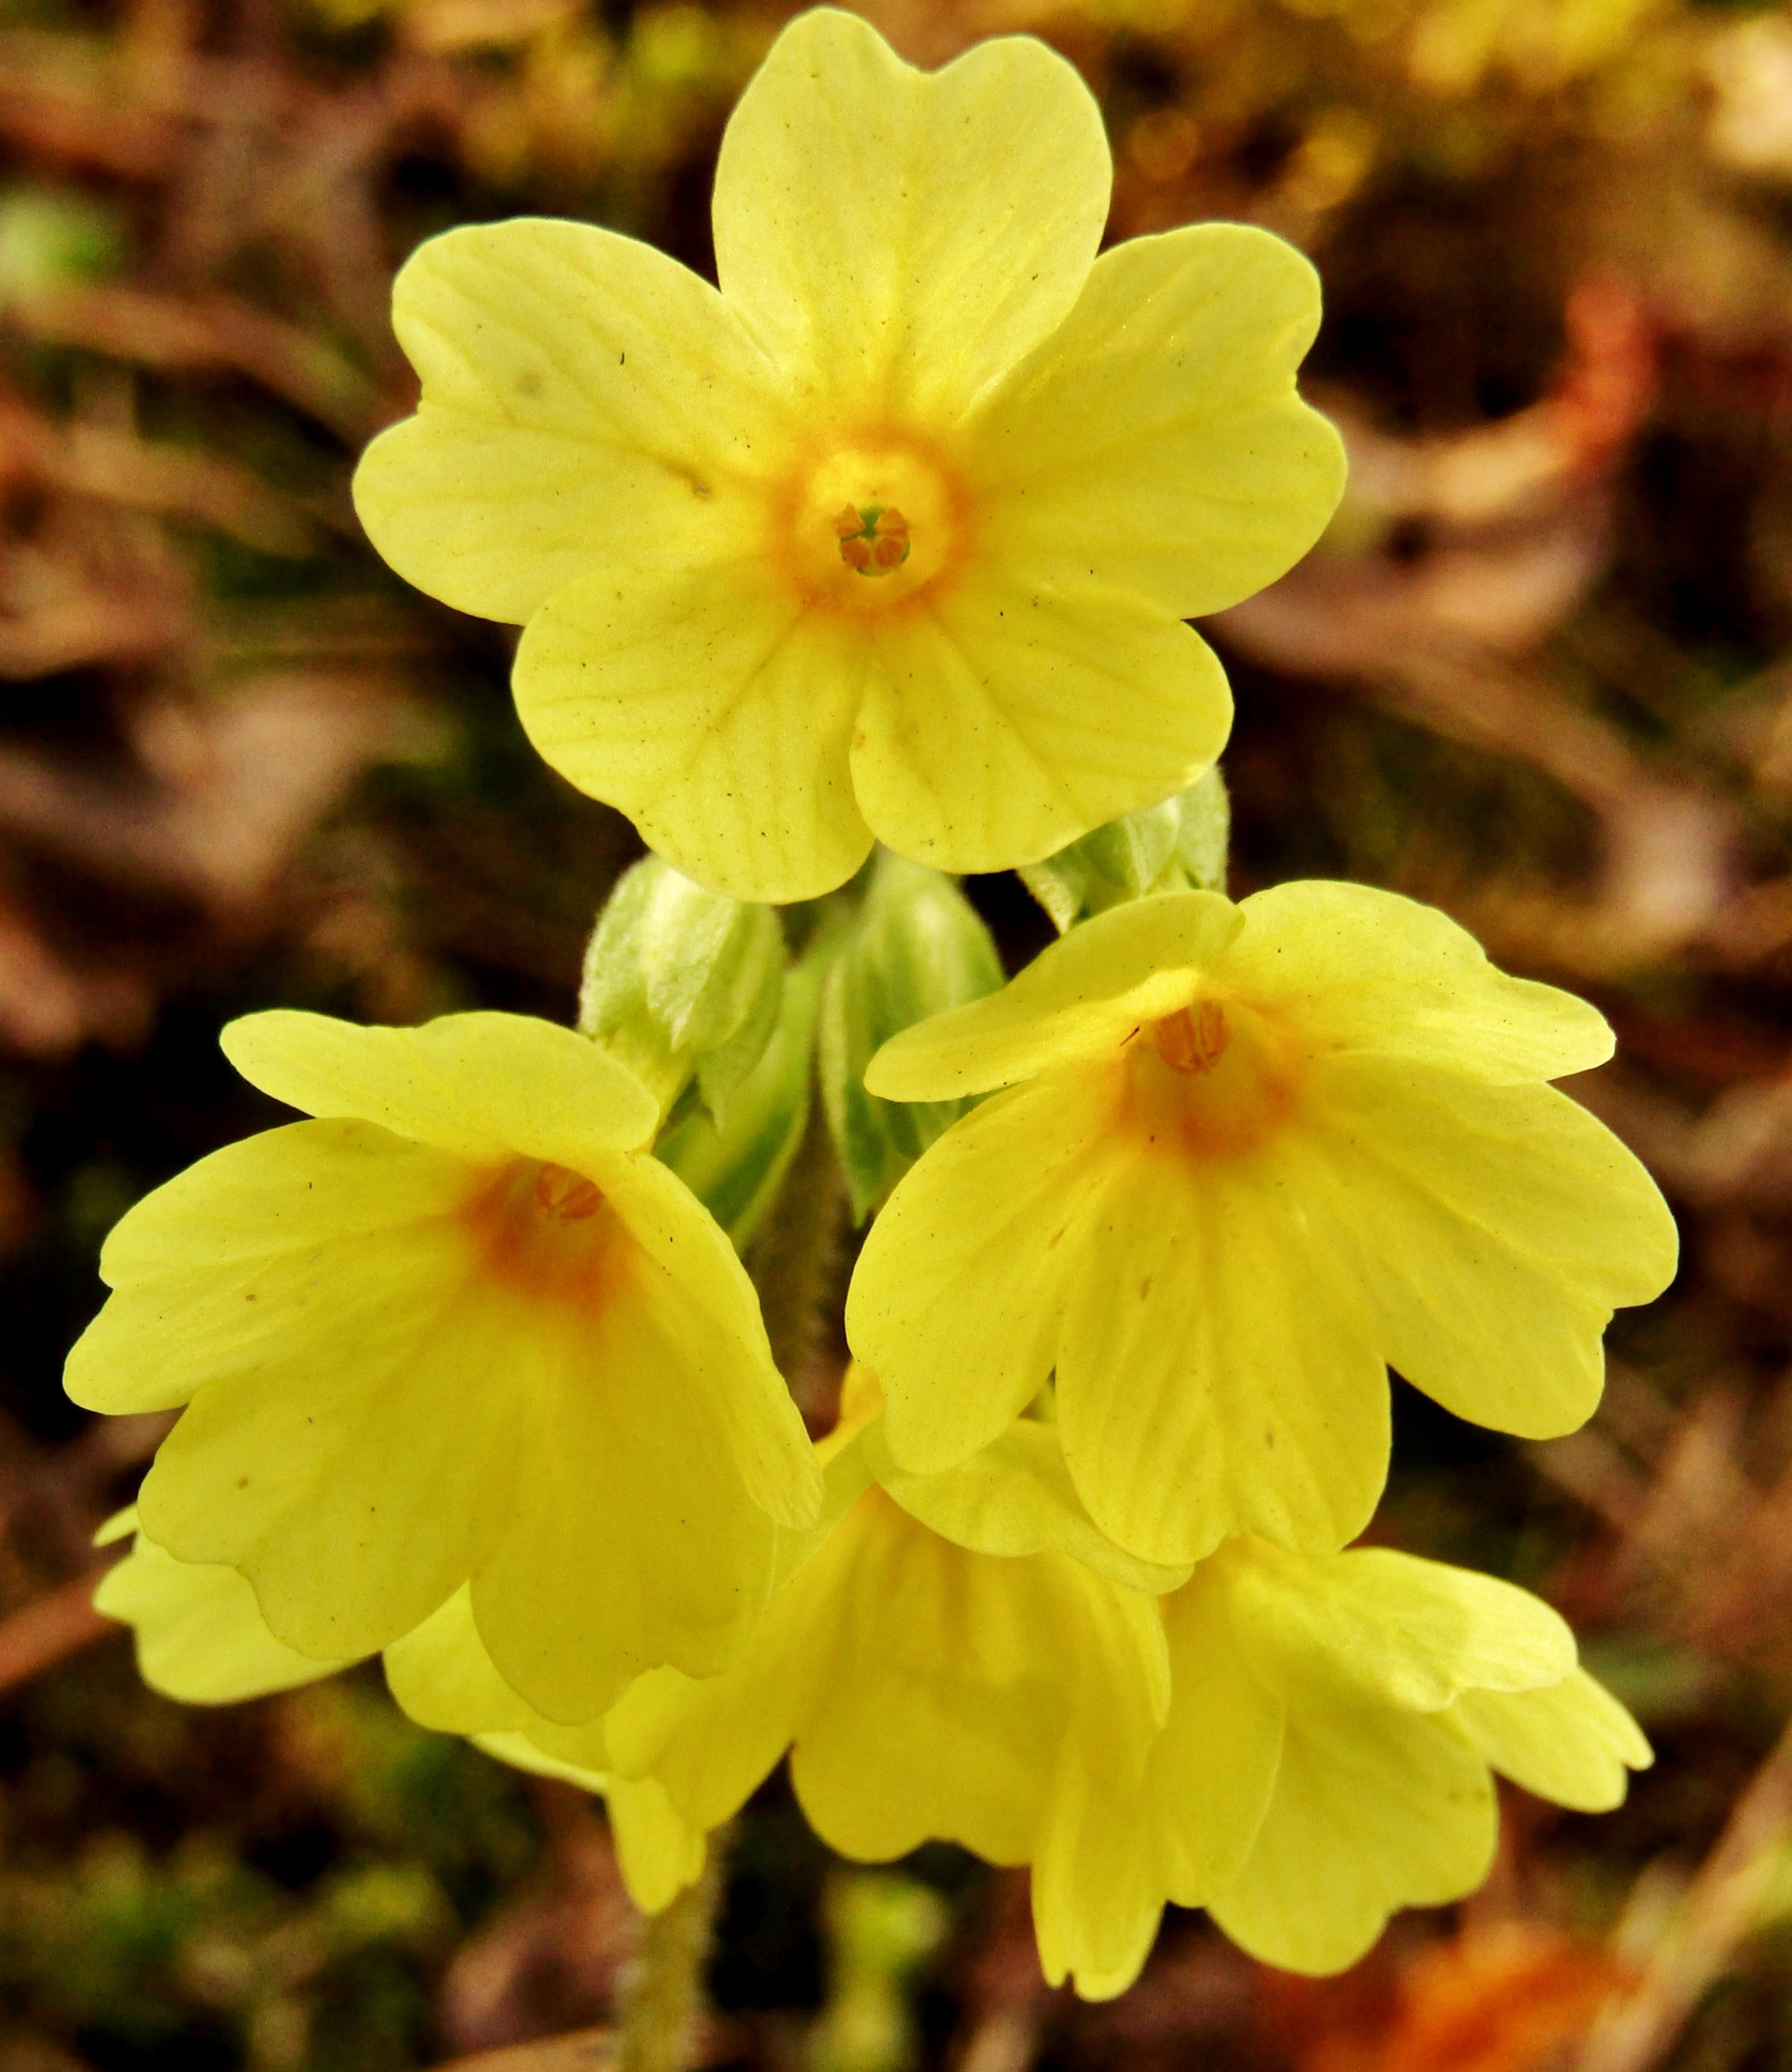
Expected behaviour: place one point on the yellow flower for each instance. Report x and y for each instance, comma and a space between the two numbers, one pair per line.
898, 531
1299, 1743
462, 1328
1332, 1723
200, 1638
924, 1689
1249, 1153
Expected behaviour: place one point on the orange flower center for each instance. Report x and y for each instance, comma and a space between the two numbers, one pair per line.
545, 1232
569, 1195
1213, 1080
873, 541
1193, 1039
868, 523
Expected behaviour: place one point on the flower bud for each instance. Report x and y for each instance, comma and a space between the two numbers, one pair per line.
735, 1166
1179, 846
915, 948
680, 981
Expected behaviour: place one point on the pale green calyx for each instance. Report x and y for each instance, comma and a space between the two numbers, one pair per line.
915, 948
736, 1166
1179, 846
681, 982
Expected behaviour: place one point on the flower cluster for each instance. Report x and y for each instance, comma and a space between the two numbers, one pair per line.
895, 535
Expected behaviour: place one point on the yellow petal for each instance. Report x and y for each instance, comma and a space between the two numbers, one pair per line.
712, 1743
937, 1722
898, 238
658, 1853
1117, 1843
1156, 439
442, 1676
1213, 1379
953, 1679
1097, 1900
715, 711
1372, 1811
955, 1300
1374, 1626
586, 402
629, 1540
209, 1269
1015, 1497
845, 1475
1079, 998
325, 1467
1367, 970
1099, 1876
201, 1635
703, 1307
1017, 714
1573, 1743
1494, 1230
1214, 1766
481, 1084
521, 1753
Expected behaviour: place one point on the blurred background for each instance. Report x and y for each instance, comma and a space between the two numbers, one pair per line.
1540, 673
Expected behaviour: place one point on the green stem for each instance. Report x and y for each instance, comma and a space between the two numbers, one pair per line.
665, 1997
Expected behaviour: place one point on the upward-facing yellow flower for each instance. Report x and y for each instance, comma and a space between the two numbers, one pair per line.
1249, 1155
463, 1327
897, 533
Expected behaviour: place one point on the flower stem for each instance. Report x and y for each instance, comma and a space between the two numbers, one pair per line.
665, 1998
795, 1262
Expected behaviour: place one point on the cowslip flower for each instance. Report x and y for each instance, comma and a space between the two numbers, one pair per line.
462, 1329
1333, 1721
925, 1686
200, 1638
895, 533
1249, 1154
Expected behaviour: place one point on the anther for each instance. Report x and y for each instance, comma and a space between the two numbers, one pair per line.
874, 538
570, 1196
1193, 1039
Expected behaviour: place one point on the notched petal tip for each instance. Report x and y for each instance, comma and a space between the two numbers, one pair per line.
901, 234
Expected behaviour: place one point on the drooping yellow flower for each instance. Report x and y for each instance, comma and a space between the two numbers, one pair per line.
1299, 1743
1249, 1155
923, 1688
462, 1329
1332, 1723
897, 533
200, 1638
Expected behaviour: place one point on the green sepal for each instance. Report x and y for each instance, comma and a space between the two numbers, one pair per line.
915, 948
1180, 846
735, 1167
682, 982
